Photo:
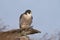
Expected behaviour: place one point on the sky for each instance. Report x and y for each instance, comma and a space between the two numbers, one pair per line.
46, 14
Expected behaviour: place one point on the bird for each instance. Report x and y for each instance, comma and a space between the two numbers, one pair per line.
25, 20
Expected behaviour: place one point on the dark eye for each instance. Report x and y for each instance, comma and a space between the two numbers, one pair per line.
29, 13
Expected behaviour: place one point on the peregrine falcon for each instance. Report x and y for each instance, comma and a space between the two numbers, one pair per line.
25, 20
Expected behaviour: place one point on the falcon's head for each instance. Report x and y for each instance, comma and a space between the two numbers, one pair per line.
28, 12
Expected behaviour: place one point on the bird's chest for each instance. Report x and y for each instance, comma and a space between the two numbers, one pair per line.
27, 17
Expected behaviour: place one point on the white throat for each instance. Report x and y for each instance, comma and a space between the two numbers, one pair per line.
29, 15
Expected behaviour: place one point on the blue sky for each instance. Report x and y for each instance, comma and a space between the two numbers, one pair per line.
46, 13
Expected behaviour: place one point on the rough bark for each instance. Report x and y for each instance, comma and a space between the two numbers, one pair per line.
13, 34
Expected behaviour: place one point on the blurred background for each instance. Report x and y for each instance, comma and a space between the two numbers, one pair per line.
46, 16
